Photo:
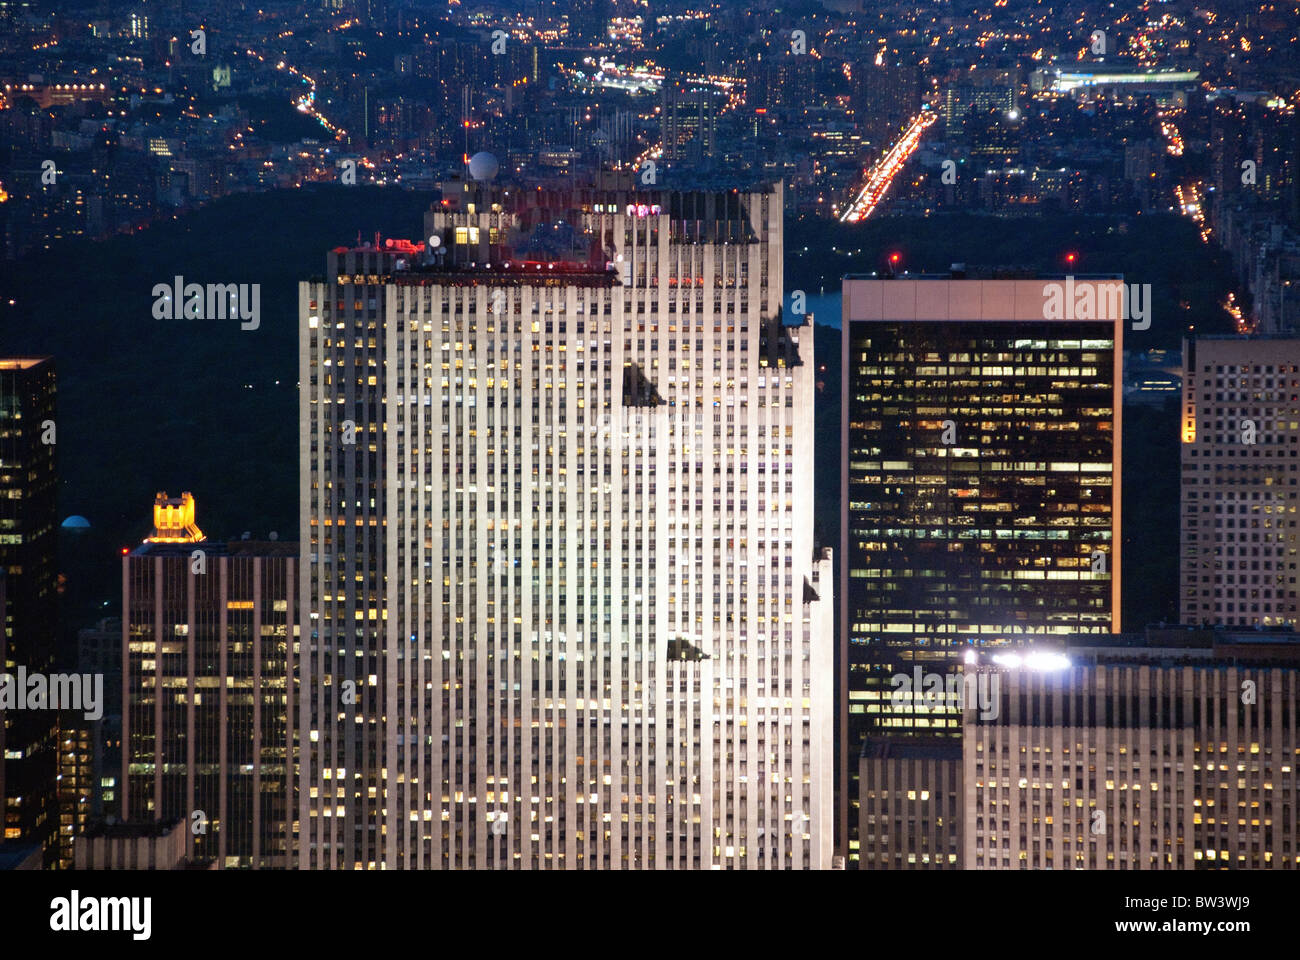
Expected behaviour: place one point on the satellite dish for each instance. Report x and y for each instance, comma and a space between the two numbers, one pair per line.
435, 241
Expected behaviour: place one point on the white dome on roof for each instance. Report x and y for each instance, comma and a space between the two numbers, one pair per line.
483, 166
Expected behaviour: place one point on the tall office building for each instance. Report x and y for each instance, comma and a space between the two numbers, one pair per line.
688, 122
980, 493
28, 605
563, 605
1240, 458
209, 633
1176, 750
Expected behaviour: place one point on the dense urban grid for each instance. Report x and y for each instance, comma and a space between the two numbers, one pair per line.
825, 435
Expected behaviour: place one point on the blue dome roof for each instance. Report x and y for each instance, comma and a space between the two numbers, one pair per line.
76, 522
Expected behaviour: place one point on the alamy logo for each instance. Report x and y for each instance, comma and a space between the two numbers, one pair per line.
214, 301
973, 691
1098, 300
56, 691
74, 913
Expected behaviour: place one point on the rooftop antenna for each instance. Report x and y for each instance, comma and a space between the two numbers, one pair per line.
464, 119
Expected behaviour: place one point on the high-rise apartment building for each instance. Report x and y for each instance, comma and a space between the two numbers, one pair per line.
28, 606
562, 603
75, 786
99, 650
980, 494
886, 95
1241, 462
994, 138
962, 100
589, 22
792, 82
209, 633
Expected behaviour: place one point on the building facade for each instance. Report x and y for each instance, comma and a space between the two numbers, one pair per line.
980, 489
209, 633
912, 804
29, 525
99, 650
1240, 458
75, 787
557, 542
688, 122
1124, 759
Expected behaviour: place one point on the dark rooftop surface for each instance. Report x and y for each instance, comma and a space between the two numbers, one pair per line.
130, 830
919, 748
13, 854
978, 272
220, 548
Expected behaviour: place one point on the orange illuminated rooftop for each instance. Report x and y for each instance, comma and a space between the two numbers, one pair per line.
173, 520
21, 363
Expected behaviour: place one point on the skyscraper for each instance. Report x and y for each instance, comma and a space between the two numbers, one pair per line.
564, 605
208, 636
1240, 424
28, 611
980, 491
75, 787
887, 95
961, 100
1173, 750
99, 650
688, 122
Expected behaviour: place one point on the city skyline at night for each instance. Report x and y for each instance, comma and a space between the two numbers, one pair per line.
843, 439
